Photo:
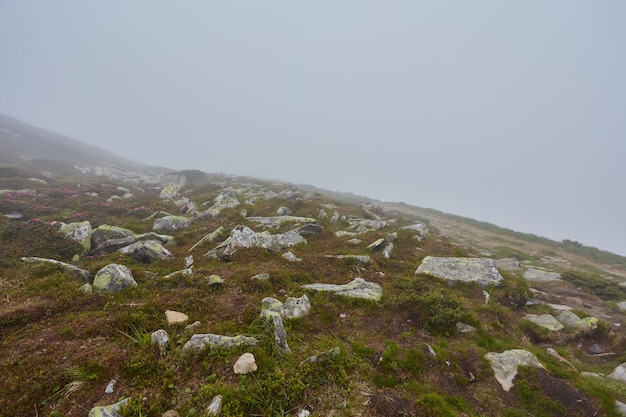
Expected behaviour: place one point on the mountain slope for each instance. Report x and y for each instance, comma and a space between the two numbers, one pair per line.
23, 144
250, 266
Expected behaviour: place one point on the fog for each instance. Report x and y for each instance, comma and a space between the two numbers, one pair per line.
508, 112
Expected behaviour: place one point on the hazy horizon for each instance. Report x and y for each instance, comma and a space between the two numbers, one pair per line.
512, 114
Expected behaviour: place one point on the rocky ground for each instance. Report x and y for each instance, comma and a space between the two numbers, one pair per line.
188, 294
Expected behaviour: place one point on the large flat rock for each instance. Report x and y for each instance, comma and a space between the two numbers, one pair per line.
480, 270
357, 288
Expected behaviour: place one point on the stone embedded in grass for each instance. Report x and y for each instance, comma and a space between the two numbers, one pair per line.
215, 280
109, 410
171, 224
160, 339
420, 228
210, 238
106, 232
261, 277
294, 308
622, 304
363, 259
244, 237
79, 232
171, 190
113, 277
147, 251
309, 229
215, 408
200, 341
357, 288
569, 318
619, 373
329, 354
383, 246
505, 365
84, 274
283, 211
546, 321
245, 364
464, 328
175, 317
540, 275
290, 257
480, 270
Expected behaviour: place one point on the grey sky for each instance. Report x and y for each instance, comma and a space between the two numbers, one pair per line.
508, 112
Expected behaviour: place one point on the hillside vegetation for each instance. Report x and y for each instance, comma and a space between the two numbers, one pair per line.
419, 350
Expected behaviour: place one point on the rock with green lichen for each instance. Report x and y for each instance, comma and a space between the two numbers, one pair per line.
505, 365
113, 277
480, 270
106, 232
170, 224
546, 321
357, 288
79, 232
109, 410
200, 341
147, 251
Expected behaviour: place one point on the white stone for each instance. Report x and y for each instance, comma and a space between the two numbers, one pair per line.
245, 364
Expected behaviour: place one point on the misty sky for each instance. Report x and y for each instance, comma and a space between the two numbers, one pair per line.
507, 112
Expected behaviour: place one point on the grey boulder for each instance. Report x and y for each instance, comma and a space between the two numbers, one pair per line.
480, 270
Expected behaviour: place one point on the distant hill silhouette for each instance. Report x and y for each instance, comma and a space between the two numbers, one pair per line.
30, 146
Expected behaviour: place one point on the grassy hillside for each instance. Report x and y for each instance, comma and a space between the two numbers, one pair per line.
402, 355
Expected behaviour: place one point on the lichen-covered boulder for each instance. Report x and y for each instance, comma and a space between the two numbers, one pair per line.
171, 190
244, 237
546, 321
106, 232
79, 232
170, 224
569, 318
147, 251
505, 365
357, 288
420, 228
160, 339
540, 275
507, 264
113, 277
294, 308
480, 270
109, 410
200, 341
384, 246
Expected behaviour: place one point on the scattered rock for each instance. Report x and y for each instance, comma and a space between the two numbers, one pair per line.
619, 373
171, 190
175, 317
277, 221
290, 257
620, 407
107, 232
569, 318
187, 272
357, 288
547, 321
595, 349
464, 328
505, 365
170, 224
193, 326
113, 277
540, 275
245, 364
147, 251
80, 233
215, 280
383, 246
322, 214
210, 238
170, 413
110, 387
199, 341
244, 237
335, 217
294, 308
622, 304
480, 270
81, 273
160, 339
86, 288
283, 211
261, 277
363, 259
309, 229
420, 228
329, 354
215, 408
354, 241
109, 410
